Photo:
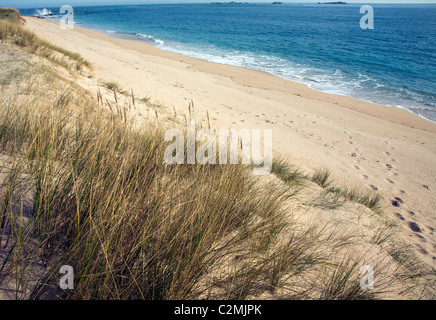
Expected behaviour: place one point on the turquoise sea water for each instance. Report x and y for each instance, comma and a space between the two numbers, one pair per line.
322, 46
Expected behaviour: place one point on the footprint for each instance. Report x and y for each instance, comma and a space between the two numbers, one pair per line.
389, 180
414, 227
395, 203
373, 187
423, 239
399, 216
357, 167
399, 200
421, 249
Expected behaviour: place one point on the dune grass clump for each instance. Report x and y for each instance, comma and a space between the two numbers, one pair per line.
370, 200
11, 15
104, 201
286, 172
335, 196
322, 178
113, 86
20, 36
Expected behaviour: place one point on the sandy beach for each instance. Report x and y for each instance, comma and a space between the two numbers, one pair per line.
363, 144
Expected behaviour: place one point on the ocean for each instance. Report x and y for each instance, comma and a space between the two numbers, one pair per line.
322, 46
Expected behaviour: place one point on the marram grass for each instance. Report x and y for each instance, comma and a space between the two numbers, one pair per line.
84, 187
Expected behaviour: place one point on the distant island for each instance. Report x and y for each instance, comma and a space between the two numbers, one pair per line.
232, 2
337, 2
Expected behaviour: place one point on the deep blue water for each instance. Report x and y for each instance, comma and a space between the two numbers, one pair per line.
322, 46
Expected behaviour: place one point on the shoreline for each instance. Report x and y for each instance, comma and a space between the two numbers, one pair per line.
136, 38
381, 148
356, 107
156, 43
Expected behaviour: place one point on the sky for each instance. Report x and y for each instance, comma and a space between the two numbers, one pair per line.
57, 3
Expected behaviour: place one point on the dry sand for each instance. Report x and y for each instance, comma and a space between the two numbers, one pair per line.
368, 145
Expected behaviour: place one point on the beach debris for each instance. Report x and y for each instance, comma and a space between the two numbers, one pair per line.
426, 186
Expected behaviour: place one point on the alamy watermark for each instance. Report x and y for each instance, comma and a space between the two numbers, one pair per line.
367, 281
67, 281
367, 21
67, 20
245, 142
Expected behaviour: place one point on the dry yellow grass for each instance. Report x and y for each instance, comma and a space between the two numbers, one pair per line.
89, 189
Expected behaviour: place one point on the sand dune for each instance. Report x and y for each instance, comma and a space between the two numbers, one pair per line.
378, 147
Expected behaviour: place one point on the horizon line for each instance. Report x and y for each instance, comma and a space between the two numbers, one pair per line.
240, 2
